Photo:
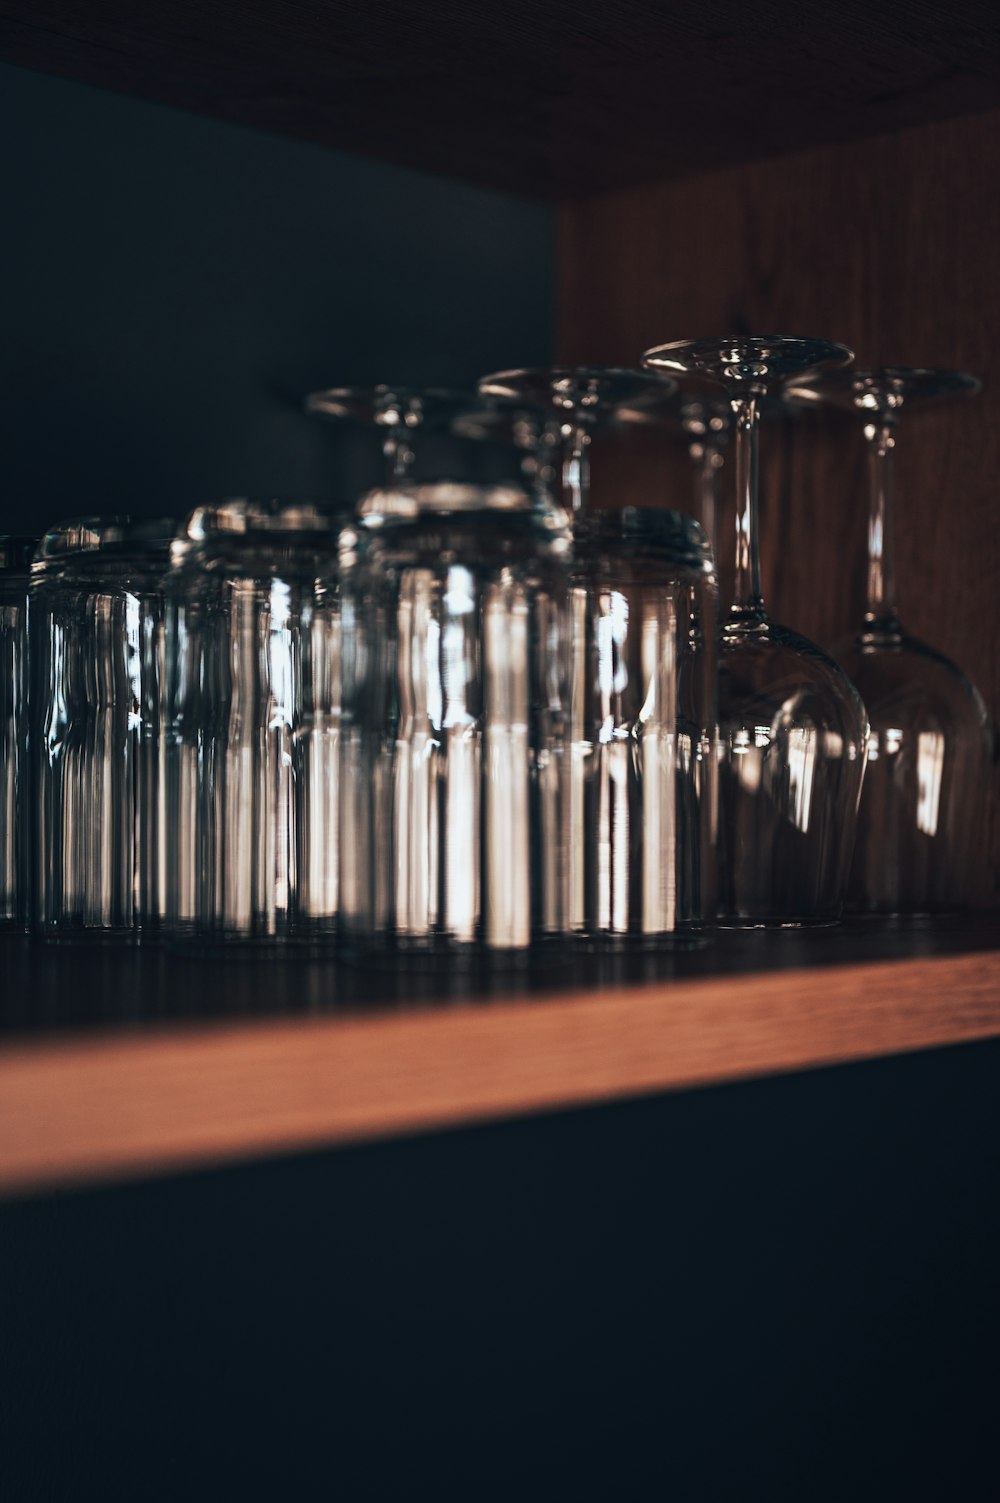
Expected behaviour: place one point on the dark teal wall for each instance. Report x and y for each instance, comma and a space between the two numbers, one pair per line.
171, 285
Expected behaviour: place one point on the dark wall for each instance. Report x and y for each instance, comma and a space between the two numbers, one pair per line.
171, 286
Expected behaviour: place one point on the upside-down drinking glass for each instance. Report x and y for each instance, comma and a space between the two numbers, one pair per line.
97, 641
455, 691
15, 569
792, 728
929, 746
254, 689
641, 800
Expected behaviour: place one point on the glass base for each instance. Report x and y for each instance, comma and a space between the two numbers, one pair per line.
89, 938
902, 917
691, 937
822, 921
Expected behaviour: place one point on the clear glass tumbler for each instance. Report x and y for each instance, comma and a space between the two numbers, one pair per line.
643, 809
254, 685
454, 827
641, 803
97, 637
15, 570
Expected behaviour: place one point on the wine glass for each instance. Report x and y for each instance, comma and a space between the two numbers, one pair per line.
792, 727
576, 402
705, 418
930, 740
396, 411
641, 712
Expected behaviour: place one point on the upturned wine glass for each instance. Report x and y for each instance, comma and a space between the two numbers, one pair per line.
641, 709
573, 403
930, 740
792, 727
397, 412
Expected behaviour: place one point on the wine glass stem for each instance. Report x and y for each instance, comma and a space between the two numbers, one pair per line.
576, 469
398, 457
706, 459
747, 599
881, 606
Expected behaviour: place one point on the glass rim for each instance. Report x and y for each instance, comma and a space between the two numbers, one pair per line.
580, 390
270, 516
388, 504
871, 388
720, 357
118, 535
375, 404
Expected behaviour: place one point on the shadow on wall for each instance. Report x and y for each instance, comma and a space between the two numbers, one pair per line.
174, 285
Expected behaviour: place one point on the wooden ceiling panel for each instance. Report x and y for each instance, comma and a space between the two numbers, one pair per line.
542, 97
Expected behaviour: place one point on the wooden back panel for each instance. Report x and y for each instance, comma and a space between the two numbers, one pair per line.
890, 244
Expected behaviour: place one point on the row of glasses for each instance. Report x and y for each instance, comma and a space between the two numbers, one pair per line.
919, 837
464, 715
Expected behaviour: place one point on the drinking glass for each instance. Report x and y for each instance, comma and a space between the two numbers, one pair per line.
397, 412
930, 741
792, 727
254, 683
643, 602
97, 641
455, 688
15, 569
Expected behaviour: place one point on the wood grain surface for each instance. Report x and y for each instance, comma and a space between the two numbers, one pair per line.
113, 1106
888, 244
538, 96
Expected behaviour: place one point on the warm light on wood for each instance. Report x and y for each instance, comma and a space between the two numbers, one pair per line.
109, 1107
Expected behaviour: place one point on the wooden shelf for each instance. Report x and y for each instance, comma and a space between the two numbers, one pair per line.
531, 97
142, 1095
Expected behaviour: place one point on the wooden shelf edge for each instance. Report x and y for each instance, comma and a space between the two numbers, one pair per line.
105, 1108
